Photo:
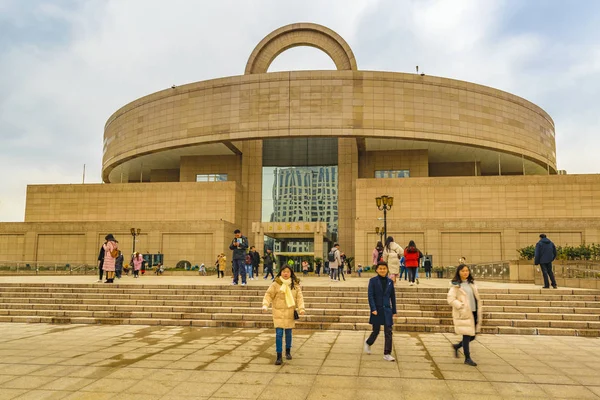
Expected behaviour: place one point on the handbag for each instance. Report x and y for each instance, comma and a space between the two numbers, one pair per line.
296, 316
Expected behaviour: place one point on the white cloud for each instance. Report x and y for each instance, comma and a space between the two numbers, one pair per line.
56, 97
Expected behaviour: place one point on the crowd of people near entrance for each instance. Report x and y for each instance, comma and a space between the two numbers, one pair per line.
110, 262
390, 261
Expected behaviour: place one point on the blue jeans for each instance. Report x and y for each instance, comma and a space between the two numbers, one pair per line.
403, 271
239, 269
249, 271
279, 339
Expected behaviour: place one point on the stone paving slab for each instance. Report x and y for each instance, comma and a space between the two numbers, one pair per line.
41, 361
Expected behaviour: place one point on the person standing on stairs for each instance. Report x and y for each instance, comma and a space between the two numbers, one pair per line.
392, 252
137, 261
412, 256
285, 295
545, 253
382, 302
467, 310
239, 245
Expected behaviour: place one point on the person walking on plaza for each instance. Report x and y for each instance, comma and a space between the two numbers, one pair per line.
382, 302
255, 261
427, 268
377, 255
412, 255
467, 310
110, 254
403, 270
119, 265
248, 266
221, 265
341, 267
268, 261
137, 260
392, 252
305, 268
545, 253
334, 261
285, 294
239, 245
318, 267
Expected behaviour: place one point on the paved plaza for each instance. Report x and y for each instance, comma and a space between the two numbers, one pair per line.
40, 361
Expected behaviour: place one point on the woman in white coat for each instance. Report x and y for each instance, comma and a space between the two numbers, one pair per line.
467, 310
392, 252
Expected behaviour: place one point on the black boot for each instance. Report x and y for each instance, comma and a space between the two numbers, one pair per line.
456, 347
278, 361
288, 354
470, 362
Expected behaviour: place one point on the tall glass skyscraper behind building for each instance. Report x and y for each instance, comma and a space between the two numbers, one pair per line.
307, 194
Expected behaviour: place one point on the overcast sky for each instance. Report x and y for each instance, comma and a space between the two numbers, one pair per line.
67, 65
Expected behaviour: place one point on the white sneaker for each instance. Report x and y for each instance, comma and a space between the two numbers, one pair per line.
388, 357
367, 348
99, 280
411, 284
243, 284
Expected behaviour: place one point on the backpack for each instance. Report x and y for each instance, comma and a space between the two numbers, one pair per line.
331, 256
248, 259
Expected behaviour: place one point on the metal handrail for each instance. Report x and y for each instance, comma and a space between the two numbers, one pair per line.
41, 266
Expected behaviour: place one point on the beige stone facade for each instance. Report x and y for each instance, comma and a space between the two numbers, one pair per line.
482, 165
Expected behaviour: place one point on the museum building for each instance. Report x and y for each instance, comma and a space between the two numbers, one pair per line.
296, 160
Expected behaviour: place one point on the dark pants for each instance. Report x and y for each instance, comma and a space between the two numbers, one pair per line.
269, 270
467, 339
118, 272
221, 274
100, 272
387, 331
403, 271
255, 270
318, 270
412, 273
239, 268
341, 273
547, 272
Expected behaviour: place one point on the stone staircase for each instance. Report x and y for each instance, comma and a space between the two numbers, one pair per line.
570, 312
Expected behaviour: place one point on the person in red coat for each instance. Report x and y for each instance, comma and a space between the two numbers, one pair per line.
412, 255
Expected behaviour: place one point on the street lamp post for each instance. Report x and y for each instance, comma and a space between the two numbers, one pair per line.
134, 233
384, 203
379, 231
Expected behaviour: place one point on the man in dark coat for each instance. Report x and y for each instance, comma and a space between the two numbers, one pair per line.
382, 302
255, 260
545, 253
239, 245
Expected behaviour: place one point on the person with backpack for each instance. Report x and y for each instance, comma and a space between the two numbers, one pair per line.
412, 256
248, 266
268, 261
427, 267
391, 255
377, 255
334, 262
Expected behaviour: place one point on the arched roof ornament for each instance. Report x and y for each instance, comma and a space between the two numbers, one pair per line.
302, 34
